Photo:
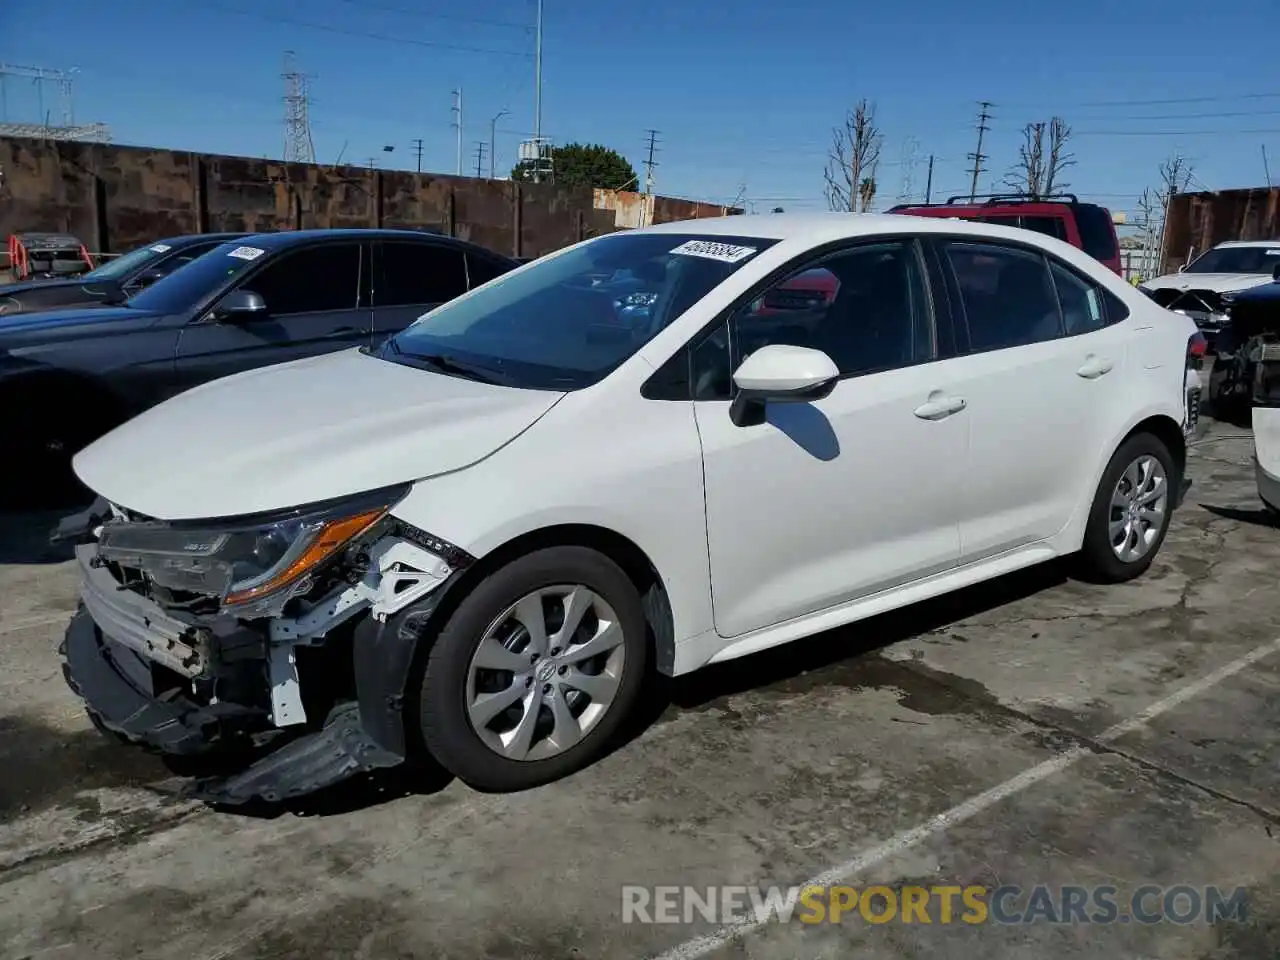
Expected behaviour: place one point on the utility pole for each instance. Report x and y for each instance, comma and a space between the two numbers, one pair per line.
649, 164
1265, 166
928, 184
480, 145
493, 138
417, 149
978, 156
298, 145
537, 98
457, 125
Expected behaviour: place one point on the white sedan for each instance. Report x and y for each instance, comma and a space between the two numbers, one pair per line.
657, 449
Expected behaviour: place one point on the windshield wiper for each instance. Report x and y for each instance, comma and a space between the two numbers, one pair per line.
449, 365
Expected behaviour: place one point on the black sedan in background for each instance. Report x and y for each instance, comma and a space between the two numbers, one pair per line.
66, 377
114, 281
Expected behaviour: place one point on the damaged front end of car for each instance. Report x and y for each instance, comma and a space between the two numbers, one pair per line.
286, 638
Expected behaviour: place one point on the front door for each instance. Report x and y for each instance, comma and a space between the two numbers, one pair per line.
1043, 379
412, 278
314, 306
842, 497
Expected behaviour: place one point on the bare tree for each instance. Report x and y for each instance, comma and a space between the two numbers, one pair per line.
867, 192
1175, 176
855, 153
1059, 159
1027, 177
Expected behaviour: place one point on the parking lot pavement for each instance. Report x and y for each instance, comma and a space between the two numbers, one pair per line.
1035, 730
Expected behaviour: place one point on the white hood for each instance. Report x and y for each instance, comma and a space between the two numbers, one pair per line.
1217, 282
300, 432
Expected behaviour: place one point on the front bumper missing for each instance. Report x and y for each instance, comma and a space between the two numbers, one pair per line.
119, 639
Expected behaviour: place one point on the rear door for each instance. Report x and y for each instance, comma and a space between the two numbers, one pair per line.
412, 277
1043, 378
314, 306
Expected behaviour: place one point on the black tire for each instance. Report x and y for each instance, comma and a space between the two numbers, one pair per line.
1098, 562
445, 725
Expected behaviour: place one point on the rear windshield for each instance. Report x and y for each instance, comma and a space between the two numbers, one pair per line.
1097, 233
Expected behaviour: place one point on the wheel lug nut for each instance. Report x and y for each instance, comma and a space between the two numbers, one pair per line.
555, 651
528, 681
563, 670
546, 688
533, 658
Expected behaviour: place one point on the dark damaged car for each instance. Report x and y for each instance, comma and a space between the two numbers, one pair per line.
67, 377
115, 281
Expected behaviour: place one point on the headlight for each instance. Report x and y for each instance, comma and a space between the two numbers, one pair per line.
243, 563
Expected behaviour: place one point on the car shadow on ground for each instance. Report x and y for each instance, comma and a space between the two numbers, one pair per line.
853, 647
1255, 515
24, 536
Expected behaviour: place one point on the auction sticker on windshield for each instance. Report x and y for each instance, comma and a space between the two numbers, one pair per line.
246, 253
160, 248
726, 252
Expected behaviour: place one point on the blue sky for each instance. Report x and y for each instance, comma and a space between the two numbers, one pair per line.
744, 96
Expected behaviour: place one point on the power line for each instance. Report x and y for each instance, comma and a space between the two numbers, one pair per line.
1173, 133
311, 25
409, 11
1150, 103
978, 156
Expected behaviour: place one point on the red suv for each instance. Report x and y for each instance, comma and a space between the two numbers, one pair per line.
1084, 225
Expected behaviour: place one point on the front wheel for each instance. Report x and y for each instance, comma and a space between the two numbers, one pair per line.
533, 674
1131, 511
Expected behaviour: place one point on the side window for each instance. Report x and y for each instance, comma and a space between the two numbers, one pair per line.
482, 269
1081, 302
1008, 298
867, 308
1049, 226
1097, 232
307, 281
419, 273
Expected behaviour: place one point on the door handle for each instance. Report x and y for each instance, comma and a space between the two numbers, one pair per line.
1094, 367
939, 406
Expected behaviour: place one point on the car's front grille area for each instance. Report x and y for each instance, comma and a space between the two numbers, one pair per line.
1193, 301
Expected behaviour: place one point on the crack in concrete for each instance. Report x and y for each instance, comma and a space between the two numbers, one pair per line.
1092, 744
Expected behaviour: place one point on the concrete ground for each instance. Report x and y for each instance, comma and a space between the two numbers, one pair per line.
1035, 730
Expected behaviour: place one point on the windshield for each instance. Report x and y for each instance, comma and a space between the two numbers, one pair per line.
127, 264
565, 322
1260, 260
200, 278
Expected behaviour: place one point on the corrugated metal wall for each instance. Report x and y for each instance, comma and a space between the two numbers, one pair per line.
115, 198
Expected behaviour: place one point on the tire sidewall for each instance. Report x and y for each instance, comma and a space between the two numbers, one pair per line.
1101, 559
442, 710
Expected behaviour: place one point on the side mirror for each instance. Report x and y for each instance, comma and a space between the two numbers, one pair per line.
240, 306
780, 373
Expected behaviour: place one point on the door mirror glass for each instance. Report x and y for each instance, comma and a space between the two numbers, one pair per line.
780, 373
240, 306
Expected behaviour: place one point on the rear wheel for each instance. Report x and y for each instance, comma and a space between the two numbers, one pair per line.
1131, 511
533, 674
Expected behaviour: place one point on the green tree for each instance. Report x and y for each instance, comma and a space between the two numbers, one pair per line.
585, 165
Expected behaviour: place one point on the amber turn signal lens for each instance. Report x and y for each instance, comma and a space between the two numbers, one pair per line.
325, 544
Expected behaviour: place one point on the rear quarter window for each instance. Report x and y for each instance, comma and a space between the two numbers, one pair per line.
1097, 235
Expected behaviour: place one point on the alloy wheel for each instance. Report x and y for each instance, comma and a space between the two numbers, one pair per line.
1138, 507
545, 672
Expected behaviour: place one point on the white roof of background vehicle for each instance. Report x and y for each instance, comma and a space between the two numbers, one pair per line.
820, 227
1246, 243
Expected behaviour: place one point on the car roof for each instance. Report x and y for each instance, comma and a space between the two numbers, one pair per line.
818, 228
1247, 243
285, 238
188, 238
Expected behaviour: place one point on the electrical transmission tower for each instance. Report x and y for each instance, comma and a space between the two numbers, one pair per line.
650, 163
978, 156
910, 157
481, 146
298, 145
417, 149
39, 76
